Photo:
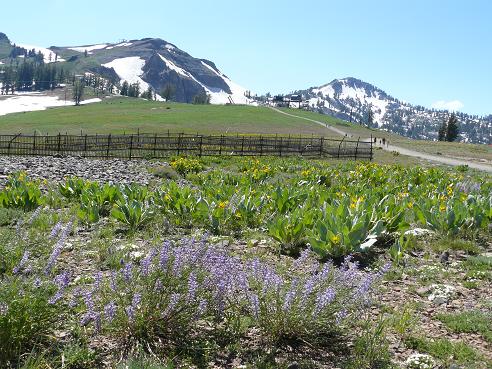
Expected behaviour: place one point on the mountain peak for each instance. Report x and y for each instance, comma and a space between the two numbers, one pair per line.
3, 37
354, 100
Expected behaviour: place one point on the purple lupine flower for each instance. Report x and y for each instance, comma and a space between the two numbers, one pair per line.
173, 301
86, 319
110, 311
127, 272
146, 262
58, 248
137, 299
339, 316
18, 227
202, 307
323, 299
385, 269
164, 255
37, 282
97, 280
34, 215
56, 230
130, 313
22, 262
255, 305
112, 281
308, 289
325, 271
57, 296
290, 296
73, 300
192, 287
61, 280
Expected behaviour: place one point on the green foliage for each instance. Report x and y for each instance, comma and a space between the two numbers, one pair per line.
26, 317
469, 322
72, 188
20, 193
9, 216
445, 350
371, 348
132, 212
342, 229
184, 165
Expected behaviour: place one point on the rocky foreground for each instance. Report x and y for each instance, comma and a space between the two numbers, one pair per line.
57, 168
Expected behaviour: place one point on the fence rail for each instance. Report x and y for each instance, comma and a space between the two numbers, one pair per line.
159, 146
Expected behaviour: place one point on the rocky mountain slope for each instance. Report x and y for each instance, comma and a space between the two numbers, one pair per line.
150, 62
354, 100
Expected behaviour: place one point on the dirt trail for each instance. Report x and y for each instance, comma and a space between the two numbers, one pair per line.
401, 150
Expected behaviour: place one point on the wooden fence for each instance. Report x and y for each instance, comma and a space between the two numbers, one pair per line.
159, 146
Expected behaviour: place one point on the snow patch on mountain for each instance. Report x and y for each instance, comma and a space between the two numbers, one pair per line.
34, 102
48, 55
129, 69
222, 97
123, 44
177, 69
89, 48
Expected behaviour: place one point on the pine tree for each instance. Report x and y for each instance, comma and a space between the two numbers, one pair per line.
168, 92
441, 135
124, 89
452, 128
78, 91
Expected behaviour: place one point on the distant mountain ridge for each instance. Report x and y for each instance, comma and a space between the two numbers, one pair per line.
150, 62
357, 101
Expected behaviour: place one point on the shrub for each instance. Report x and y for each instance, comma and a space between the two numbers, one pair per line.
175, 288
20, 193
184, 165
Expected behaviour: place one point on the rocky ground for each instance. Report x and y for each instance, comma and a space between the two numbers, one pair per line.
55, 169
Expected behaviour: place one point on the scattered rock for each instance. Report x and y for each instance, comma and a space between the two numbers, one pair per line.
57, 168
441, 293
293, 365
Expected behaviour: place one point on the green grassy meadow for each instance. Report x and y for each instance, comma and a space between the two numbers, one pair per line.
118, 115
125, 115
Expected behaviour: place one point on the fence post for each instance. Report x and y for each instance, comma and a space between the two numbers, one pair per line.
357, 148
131, 146
280, 147
59, 142
201, 144
179, 142
339, 147
155, 145
370, 155
220, 145
321, 146
85, 146
109, 143
242, 146
34, 144
261, 145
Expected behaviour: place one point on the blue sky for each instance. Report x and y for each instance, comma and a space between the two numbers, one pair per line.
424, 52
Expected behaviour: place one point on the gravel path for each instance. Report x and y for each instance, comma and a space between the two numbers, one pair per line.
401, 150
56, 168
